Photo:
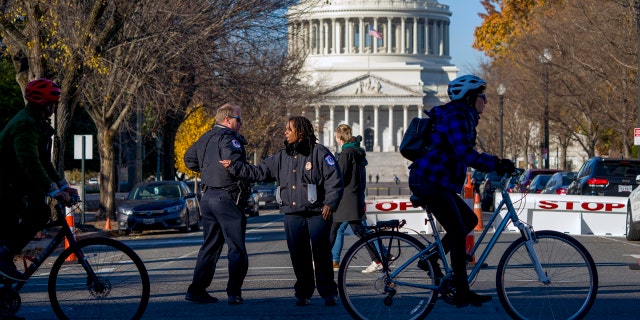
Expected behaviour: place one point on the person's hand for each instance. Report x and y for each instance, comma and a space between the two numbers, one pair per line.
62, 196
225, 163
72, 192
327, 212
505, 166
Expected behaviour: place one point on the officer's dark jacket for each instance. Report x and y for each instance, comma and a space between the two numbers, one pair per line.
294, 168
205, 154
352, 161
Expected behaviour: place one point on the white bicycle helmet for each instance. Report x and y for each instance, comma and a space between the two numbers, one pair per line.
459, 87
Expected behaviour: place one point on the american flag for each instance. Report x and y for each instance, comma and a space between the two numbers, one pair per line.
374, 33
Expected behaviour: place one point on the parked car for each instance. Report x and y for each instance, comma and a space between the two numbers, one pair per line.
527, 176
538, 183
487, 189
157, 205
606, 177
633, 214
266, 192
559, 182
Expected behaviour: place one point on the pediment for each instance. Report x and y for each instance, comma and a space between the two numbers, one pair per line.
370, 85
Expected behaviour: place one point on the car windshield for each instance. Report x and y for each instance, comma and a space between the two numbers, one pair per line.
617, 169
168, 191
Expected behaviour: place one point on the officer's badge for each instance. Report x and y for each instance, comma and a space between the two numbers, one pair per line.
308, 166
236, 144
330, 160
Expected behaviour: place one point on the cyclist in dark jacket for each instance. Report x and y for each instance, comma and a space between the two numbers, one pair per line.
30, 177
438, 176
310, 188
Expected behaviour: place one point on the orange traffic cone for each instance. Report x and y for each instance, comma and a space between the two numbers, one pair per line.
477, 209
107, 225
468, 188
469, 246
71, 221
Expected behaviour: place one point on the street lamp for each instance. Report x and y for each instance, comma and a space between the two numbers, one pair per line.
545, 59
501, 90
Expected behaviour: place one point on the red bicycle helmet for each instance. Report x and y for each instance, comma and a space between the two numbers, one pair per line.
42, 92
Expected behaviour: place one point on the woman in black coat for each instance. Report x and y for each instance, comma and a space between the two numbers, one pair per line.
352, 162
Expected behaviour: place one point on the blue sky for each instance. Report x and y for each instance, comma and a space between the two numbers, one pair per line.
463, 22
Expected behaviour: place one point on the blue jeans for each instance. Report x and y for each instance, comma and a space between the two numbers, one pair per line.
337, 245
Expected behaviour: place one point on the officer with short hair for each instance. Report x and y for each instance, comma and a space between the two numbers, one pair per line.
222, 205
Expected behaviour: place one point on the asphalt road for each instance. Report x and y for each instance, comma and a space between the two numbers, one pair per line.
268, 289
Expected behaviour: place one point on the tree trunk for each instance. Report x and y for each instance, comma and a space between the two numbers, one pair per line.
107, 174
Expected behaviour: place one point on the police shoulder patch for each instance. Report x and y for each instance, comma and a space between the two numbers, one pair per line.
236, 144
330, 160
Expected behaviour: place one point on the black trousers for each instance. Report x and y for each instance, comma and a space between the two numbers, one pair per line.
221, 221
456, 218
309, 246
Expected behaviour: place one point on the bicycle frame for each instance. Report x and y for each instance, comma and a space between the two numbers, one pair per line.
64, 233
512, 216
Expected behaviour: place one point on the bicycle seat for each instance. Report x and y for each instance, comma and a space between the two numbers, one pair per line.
417, 202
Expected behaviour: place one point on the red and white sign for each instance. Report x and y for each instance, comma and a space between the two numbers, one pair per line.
636, 136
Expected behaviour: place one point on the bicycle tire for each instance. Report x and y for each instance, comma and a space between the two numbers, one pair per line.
570, 268
117, 266
362, 294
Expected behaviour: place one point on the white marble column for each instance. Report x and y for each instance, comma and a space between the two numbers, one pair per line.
376, 144
332, 126
333, 49
349, 36
403, 34
323, 40
420, 113
415, 35
434, 37
346, 115
361, 36
441, 38
426, 36
361, 120
405, 118
317, 121
389, 34
375, 40
391, 147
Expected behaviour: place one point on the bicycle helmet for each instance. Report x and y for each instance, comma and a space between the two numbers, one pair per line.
459, 87
42, 92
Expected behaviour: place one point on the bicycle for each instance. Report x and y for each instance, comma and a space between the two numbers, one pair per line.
541, 275
93, 278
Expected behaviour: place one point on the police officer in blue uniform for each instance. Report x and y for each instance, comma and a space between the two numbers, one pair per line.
221, 206
310, 188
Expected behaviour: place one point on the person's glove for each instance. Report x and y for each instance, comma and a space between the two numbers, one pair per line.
72, 192
62, 196
505, 166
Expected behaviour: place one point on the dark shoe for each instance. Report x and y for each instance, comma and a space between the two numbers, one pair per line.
331, 301
200, 297
8, 269
303, 302
470, 298
235, 300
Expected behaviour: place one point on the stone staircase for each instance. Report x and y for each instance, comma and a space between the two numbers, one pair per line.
387, 165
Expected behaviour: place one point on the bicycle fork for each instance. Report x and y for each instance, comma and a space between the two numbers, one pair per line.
528, 234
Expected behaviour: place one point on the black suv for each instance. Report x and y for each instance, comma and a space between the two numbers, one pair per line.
606, 177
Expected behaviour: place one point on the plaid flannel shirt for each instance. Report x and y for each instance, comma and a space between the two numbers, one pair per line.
451, 149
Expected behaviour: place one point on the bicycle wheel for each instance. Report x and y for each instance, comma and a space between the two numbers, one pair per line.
122, 291
379, 295
572, 273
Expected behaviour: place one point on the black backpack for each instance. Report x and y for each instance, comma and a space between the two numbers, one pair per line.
416, 138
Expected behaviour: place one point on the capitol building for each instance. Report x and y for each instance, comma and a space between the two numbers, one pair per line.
379, 63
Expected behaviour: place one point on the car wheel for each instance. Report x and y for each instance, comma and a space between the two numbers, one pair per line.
633, 234
485, 205
256, 210
196, 226
185, 228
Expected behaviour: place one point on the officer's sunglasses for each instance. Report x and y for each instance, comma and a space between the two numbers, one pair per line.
237, 118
